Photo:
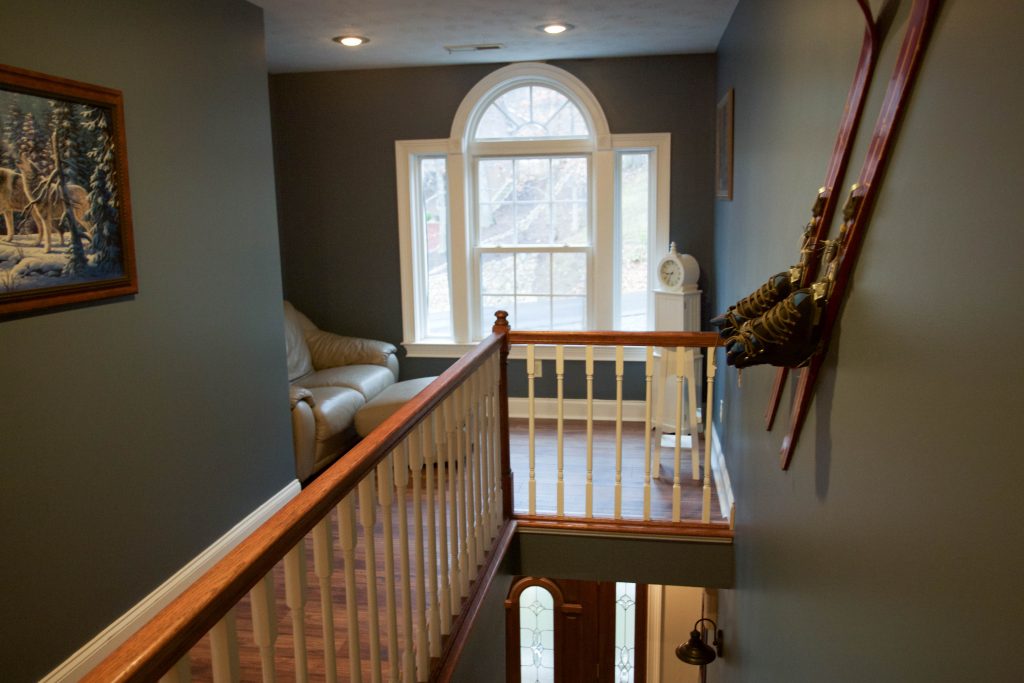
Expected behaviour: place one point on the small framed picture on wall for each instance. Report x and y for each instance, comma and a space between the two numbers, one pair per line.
723, 147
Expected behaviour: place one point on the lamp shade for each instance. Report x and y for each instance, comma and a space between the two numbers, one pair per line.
695, 651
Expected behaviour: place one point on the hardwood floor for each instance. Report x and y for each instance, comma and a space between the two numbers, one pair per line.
546, 475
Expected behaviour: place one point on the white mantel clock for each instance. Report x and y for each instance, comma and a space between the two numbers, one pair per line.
676, 297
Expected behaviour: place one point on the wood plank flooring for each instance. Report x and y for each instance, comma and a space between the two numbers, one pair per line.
546, 474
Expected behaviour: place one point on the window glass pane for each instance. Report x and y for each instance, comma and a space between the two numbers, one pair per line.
531, 111
533, 273
625, 632
533, 223
569, 176
570, 223
435, 311
536, 636
635, 224
532, 176
569, 312
533, 312
569, 273
495, 180
497, 274
497, 223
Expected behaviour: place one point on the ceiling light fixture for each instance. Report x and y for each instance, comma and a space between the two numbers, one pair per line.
351, 41
555, 29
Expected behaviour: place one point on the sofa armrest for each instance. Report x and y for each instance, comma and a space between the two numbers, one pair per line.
331, 350
300, 395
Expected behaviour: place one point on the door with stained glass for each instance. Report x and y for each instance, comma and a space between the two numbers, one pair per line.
563, 631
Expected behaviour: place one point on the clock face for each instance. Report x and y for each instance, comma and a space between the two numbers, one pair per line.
670, 273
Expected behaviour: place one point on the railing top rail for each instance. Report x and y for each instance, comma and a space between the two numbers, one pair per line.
168, 636
615, 338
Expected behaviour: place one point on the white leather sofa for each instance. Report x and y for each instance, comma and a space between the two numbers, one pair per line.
331, 377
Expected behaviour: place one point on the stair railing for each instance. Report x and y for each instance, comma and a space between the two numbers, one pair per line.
672, 363
448, 446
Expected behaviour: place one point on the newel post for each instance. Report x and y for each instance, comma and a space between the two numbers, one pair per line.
502, 328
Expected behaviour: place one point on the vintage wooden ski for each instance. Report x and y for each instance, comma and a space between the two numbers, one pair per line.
828, 197
863, 195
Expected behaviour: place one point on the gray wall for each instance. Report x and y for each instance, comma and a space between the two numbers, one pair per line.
334, 136
135, 432
896, 531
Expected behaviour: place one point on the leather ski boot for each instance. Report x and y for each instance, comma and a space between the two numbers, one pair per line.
786, 336
756, 304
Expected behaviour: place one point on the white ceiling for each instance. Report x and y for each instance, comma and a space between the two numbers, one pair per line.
414, 32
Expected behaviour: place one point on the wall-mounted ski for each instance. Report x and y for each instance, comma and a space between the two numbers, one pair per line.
828, 197
844, 249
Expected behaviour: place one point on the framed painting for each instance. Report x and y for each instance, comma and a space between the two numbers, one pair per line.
723, 148
66, 225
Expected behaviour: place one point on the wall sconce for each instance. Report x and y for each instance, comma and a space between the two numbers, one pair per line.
695, 651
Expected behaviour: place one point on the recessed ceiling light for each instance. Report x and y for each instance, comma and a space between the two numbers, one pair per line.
555, 29
351, 41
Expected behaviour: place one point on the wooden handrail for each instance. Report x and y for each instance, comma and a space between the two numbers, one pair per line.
158, 645
616, 338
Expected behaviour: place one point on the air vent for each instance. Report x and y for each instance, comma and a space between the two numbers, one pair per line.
452, 49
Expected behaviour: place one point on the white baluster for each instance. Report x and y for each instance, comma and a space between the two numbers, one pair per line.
560, 382
468, 461
706, 511
676, 489
264, 624
444, 593
295, 598
590, 432
531, 417
484, 456
347, 535
224, 649
462, 492
401, 463
438, 575
619, 369
497, 505
323, 555
453, 516
385, 493
479, 464
417, 447
180, 672
660, 389
648, 376
368, 518
691, 393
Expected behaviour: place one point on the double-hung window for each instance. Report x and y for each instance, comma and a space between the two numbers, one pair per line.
530, 206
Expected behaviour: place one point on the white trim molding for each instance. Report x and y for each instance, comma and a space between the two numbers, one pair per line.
92, 653
721, 474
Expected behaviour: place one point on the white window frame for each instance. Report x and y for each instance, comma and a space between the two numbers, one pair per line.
459, 150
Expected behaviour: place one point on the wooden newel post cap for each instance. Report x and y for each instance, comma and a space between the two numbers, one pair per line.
501, 322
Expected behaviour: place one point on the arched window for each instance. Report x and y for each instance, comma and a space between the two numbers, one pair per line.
532, 206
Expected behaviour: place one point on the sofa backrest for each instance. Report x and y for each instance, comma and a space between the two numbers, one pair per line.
299, 361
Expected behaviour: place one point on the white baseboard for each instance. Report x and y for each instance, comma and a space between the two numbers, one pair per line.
93, 652
576, 409
721, 474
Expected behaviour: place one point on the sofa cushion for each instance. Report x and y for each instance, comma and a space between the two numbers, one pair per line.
387, 402
299, 361
368, 380
334, 409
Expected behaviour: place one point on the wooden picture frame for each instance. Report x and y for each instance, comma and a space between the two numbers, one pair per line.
723, 147
65, 211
